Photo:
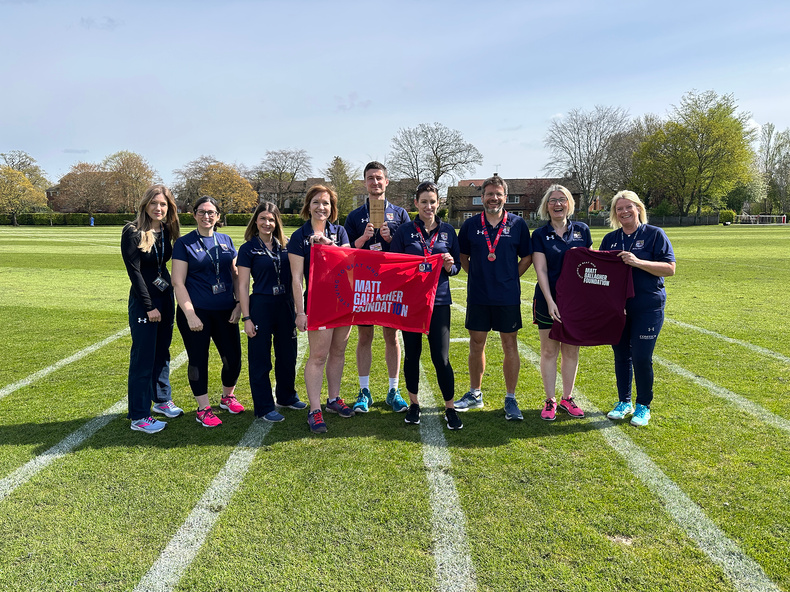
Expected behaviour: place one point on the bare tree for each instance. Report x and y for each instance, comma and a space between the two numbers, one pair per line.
431, 152
85, 189
277, 172
580, 146
130, 175
24, 163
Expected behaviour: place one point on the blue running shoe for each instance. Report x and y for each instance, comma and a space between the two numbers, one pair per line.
512, 412
273, 416
364, 401
168, 409
315, 420
149, 425
620, 410
339, 406
395, 401
469, 401
641, 416
295, 404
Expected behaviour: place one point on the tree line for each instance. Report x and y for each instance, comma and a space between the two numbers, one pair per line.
703, 155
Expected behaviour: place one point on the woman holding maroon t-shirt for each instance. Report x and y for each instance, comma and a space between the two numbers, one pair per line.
549, 244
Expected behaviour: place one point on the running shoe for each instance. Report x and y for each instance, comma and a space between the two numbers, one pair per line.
316, 422
168, 408
549, 410
364, 401
512, 412
295, 404
413, 414
641, 416
395, 401
230, 403
620, 410
207, 419
149, 425
570, 407
273, 416
339, 406
452, 419
469, 401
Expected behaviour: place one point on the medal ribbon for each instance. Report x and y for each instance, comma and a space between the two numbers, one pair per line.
498, 234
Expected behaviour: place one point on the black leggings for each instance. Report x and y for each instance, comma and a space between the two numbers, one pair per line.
439, 342
227, 340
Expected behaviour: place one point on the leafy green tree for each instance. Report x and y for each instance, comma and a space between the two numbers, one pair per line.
700, 154
225, 184
27, 165
342, 176
130, 176
18, 194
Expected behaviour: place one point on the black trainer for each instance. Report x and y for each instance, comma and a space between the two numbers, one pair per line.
413, 414
452, 419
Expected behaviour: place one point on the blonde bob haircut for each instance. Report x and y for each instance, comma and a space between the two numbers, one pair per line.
311, 193
543, 208
632, 197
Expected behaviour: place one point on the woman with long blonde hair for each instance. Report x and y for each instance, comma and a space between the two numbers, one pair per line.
146, 247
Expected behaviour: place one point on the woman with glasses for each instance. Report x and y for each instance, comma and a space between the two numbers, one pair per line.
146, 247
427, 235
549, 244
327, 346
205, 282
268, 314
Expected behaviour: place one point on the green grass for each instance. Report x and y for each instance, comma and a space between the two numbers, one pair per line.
548, 506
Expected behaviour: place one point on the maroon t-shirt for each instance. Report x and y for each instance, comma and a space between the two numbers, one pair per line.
591, 294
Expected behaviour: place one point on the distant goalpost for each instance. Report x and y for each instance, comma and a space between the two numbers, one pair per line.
761, 219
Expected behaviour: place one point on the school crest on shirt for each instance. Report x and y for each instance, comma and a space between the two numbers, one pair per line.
577, 235
443, 236
390, 216
640, 244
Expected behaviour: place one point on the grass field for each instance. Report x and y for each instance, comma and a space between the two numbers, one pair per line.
697, 501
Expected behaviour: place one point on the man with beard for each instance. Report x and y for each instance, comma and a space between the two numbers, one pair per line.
495, 252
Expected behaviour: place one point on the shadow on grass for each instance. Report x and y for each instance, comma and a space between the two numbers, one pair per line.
483, 428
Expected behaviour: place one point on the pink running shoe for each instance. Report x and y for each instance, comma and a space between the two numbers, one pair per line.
207, 419
570, 407
549, 410
231, 404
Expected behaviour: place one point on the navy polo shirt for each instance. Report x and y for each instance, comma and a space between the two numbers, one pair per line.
651, 244
494, 283
300, 243
253, 255
407, 240
358, 219
201, 271
546, 240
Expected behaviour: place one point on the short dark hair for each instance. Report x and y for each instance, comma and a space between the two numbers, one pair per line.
375, 165
497, 181
426, 186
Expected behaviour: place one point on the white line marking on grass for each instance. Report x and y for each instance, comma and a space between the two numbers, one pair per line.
454, 568
459, 340
741, 402
182, 549
755, 348
7, 390
27, 471
746, 574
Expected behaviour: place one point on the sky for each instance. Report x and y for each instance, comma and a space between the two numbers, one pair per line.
174, 80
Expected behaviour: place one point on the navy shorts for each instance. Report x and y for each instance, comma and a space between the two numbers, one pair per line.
482, 317
540, 314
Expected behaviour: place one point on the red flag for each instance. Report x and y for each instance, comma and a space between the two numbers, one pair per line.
361, 287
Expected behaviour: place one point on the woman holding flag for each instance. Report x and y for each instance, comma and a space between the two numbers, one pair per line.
425, 236
327, 346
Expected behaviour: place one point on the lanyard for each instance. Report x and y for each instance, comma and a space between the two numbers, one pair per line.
210, 256
275, 257
633, 240
159, 257
491, 254
427, 250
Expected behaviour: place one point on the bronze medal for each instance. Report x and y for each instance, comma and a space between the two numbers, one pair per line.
492, 256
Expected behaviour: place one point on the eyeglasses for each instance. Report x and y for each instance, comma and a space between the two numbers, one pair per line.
205, 213
558, 200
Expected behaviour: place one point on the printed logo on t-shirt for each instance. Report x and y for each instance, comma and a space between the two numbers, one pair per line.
443, 236
588, 273
640, 244
577, 235
390, 216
